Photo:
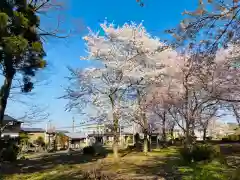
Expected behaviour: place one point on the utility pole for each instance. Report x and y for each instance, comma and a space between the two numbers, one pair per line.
49, 131
46, 131
73, 124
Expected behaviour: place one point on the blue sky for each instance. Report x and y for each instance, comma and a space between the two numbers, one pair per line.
157, 15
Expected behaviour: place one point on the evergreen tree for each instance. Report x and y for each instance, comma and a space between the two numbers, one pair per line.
21, 49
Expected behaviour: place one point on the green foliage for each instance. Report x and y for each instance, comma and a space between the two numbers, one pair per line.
231, 138
37, 46
234, 137
21, 47
236, 174
89, 150
205, 171
3, 20
24, 138
199, 152
40, 141
20, 20
15, 45
186, 154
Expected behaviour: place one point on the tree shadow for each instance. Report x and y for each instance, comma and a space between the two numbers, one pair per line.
167, 166
51, 161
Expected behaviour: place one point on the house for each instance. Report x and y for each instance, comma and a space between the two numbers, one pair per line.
34, 134
12, 127
78, 140
52, 139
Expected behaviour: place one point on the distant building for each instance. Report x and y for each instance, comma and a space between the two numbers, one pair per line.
34, 133
77, 140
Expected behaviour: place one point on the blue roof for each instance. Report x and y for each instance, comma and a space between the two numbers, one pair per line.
32, 129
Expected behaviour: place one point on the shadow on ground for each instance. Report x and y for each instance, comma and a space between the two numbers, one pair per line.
232, 154
49, 162
159, 166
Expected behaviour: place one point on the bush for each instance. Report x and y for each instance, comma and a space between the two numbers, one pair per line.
40, 141
199, 152
231, 138
204, 152
89, 150
10, 153
186, 154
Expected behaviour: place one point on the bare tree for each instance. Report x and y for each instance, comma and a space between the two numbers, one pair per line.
35, 114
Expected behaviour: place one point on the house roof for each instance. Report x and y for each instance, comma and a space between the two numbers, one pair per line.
9, 118
76, 135
32, 129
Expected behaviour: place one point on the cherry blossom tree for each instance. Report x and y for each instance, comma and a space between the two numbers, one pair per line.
190, 92
142, 89
128, 54
213, 27
159, 105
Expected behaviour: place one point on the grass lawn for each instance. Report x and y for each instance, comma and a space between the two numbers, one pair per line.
161, 163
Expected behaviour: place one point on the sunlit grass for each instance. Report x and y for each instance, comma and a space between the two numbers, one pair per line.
205, 171
136, 164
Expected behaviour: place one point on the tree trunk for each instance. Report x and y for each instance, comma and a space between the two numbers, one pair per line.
164, 137
172, 135
4, 94
188, 138
204, 134
150, 143
115, 148
115, 137
145, 143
